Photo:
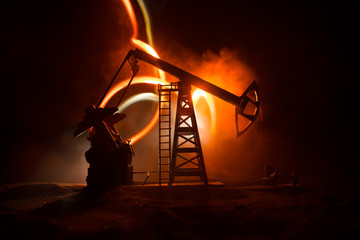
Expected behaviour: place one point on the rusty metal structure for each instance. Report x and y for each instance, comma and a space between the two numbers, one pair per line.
180, 154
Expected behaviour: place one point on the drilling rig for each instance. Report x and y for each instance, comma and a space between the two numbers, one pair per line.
184, 157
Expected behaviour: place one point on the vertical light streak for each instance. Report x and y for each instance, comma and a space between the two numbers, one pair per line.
147, 21
149, 80
210, 102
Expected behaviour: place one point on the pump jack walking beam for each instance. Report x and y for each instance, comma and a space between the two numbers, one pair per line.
187, 157
251, 94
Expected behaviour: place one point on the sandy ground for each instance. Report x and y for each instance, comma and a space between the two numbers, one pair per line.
233, 211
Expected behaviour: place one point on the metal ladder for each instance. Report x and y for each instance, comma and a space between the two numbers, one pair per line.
165, 131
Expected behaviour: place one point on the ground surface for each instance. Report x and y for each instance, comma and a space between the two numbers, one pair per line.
233, 211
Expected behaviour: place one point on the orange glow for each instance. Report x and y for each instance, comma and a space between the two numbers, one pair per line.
198, 93
138, 43
137, 80
210, 102
147, 48
149, 80
132, 17
147, 128
152, 80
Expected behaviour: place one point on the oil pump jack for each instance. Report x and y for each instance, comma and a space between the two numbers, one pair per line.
110, 157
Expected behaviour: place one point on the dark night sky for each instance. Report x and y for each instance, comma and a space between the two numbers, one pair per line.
54, 57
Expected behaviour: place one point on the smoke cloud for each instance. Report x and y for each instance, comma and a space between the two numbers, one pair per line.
224, 153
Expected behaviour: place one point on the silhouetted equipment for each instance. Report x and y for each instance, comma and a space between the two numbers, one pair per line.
275, 176
110, 157
187, 157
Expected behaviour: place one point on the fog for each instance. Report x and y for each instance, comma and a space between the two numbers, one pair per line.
59, 58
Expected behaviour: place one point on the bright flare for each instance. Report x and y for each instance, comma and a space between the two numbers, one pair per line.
210, 102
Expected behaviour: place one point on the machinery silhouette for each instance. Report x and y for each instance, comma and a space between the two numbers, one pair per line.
110, 157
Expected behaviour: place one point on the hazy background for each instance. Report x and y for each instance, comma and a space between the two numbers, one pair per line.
58, 57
